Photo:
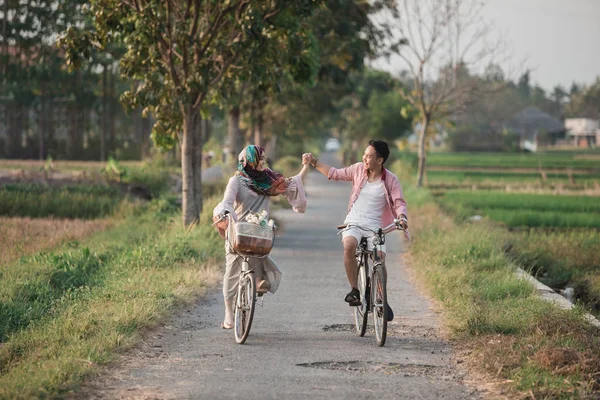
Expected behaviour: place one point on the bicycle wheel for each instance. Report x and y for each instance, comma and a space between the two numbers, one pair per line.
379, 291
361, 312
244, 307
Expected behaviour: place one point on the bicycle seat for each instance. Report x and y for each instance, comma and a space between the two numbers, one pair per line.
342, 226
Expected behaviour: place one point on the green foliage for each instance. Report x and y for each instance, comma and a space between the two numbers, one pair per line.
387, 121
113, 170
181, 65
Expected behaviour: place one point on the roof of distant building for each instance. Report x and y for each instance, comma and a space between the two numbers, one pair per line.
533, 120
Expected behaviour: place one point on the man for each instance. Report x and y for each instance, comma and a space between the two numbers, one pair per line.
376, 200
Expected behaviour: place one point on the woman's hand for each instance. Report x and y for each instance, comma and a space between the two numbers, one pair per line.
221, 223
307, 158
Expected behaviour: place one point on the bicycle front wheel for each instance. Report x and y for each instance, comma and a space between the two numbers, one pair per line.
244, 307
380, 308
361, 311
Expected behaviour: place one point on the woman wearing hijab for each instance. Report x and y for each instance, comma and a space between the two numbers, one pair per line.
250, 190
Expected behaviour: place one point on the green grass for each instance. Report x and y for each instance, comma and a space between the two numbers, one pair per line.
561, 160
64, 312
561, 259
509, 332
496, 315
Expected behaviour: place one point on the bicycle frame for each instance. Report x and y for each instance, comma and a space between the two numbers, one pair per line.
372, 283
246, 280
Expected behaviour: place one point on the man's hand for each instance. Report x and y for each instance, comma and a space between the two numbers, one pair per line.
404, 222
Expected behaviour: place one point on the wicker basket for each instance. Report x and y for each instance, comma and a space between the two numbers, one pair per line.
251, 239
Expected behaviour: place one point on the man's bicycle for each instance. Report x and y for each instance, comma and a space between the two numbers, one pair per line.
372, 281
247, 240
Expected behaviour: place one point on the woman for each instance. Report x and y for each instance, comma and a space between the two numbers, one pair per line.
250, 191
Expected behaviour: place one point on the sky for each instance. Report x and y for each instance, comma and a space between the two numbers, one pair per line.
558, 40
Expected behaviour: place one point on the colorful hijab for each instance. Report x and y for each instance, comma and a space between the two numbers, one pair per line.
265, 182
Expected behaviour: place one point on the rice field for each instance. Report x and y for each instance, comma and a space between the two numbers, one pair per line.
75, 202
36, 165
554, 216
551, 160
436, 177
524, 209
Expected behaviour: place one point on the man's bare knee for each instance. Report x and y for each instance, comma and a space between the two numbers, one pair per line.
350, 244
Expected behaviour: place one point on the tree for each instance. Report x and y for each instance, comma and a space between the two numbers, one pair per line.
441, 42
585, 101
347, 37
181, 52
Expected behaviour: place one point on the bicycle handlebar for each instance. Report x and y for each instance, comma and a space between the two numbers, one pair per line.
391, 227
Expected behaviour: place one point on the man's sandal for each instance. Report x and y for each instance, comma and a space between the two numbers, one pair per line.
353, 298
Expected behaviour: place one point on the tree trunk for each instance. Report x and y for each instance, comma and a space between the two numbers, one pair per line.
422, 155
49, 131
104, 125
42, 122
199, 138
189, 166
112, 144
234, 136
258, 129
271, 148
73, 118
146, 130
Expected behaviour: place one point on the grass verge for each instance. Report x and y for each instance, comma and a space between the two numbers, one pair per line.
62, 313
531, 347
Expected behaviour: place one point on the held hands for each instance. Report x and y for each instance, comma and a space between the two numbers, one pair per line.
308, 159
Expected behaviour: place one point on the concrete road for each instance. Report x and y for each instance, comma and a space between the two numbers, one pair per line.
302, 344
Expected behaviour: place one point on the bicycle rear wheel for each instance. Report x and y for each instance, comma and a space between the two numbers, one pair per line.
244, 307
361, 312
380, 308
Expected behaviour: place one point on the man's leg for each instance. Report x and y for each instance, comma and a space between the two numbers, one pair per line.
350, 264
350, 243
390, 315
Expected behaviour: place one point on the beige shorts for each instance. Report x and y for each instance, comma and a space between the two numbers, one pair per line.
358, 234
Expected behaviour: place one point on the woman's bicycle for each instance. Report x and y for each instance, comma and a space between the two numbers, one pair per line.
247, 240
372, 282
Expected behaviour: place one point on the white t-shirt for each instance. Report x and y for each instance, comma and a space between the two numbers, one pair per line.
369, 206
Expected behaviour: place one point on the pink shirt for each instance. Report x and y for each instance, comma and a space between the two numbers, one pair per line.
395, 205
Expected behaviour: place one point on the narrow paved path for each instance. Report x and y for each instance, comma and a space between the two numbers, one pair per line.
302, 344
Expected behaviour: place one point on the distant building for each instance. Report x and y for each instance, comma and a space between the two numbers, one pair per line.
583, 131
533, 126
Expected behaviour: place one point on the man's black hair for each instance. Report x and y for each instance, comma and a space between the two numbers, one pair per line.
381, 148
